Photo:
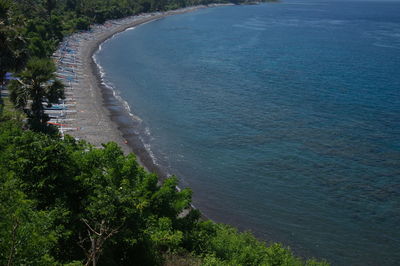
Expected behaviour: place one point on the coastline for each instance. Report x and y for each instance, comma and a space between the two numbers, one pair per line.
99, 116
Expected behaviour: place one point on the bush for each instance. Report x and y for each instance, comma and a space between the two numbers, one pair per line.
82, 23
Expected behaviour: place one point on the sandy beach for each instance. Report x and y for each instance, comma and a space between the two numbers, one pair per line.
92, 111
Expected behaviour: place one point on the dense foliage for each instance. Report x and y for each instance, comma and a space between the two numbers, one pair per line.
66, 202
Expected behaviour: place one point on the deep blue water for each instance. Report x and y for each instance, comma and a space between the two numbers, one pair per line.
283, 118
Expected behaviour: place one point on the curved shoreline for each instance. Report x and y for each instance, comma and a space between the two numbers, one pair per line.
100, 116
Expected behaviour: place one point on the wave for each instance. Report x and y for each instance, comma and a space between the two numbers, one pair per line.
144, 134
115, 92
131, 28
249, 27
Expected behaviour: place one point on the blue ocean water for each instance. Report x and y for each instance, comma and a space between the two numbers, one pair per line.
283, 118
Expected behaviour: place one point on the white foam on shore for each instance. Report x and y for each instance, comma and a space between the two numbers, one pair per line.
127, 29
117, 95
147, 131
115, 92
131, 28
147, 146
126, 106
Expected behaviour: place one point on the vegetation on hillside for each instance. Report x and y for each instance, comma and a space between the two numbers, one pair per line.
65, 202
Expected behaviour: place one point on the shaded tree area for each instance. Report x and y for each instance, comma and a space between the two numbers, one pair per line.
13, 52
65, 202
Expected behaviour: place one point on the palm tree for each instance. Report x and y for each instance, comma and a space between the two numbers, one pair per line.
36, 83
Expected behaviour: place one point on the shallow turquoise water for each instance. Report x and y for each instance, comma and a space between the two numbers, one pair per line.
283, 118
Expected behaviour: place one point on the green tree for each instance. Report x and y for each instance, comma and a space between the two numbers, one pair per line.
126, 212
5, 49
27, 235
50, 6
37, 83
12, 44
82, 23
107, 179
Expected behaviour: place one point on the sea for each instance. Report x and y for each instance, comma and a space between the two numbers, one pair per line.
283, 118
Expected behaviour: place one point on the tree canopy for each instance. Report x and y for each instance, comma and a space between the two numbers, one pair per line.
63, 201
